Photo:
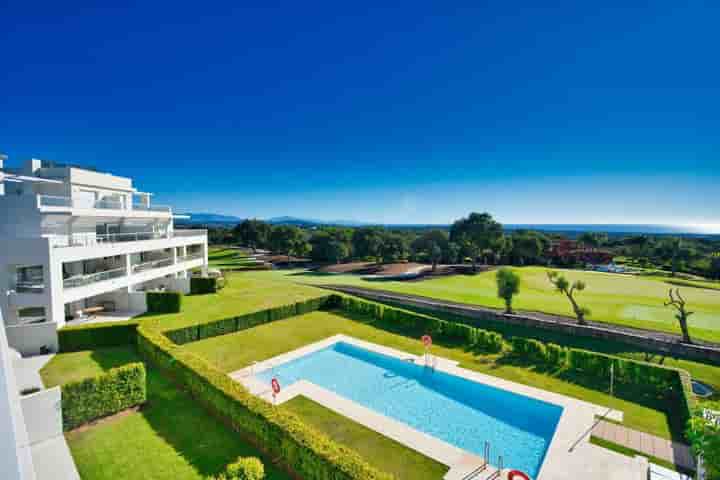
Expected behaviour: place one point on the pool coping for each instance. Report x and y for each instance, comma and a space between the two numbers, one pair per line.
572, 433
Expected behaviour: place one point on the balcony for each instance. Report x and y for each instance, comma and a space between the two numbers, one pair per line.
102, 204
142, 267
191, 256
90, 239
88, 279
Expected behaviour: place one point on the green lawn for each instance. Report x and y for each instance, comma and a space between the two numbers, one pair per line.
237, 350
172, 437
243, 294
382, 452
626, 300
221, 257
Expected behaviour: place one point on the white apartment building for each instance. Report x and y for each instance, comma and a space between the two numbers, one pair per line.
75, 243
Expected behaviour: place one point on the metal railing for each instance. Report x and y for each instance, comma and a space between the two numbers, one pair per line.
83, 280
107, 203
29, 287
87, 239
141, 267
191, 256
151, 208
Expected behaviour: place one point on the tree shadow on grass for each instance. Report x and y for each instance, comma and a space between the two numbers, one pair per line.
202, 440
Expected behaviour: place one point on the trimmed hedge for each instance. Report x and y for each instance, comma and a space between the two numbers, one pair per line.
247, 468
309, 453
97, 335
193, 333
95, 397
204, 285
407, 320
163, 302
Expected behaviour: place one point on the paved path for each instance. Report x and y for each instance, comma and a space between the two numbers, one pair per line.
673, 452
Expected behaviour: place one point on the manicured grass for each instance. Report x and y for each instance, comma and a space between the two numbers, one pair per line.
237, 350
621, 299
220, 257
172, 437
242, 294
68, 367
382, 452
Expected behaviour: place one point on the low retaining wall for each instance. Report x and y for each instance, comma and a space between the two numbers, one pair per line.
30, 338
639, 339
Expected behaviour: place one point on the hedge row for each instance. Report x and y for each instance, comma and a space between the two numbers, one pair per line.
310, 454
163, 302
96, 397
417, 322
203, 285
193, 333
663, 380
97, 335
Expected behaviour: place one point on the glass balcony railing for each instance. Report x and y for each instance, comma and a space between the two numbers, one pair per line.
29, 287
141, 267
191, 256
82, 280
107, 203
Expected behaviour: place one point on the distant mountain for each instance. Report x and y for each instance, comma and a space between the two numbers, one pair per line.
312, 222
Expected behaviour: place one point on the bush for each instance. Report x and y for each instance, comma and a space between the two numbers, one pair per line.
555, 355
248, 468
203, 285
87, 400
96, 335
163, 302
529, 349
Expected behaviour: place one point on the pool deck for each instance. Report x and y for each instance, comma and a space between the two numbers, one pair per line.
569, 455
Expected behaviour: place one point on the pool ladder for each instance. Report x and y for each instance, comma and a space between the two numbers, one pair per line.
484, 466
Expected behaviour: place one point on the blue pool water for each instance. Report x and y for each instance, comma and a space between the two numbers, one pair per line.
459, 411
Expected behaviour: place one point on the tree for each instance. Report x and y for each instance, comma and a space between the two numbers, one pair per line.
704, 434
714, 270
526, 246
431, 245
563, 286
678, 303
453, 252
253, 233
508, 285
329, 246
368, 242
289, 240
477, 233
393, 247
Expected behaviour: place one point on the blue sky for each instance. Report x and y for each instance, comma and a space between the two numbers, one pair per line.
414, 113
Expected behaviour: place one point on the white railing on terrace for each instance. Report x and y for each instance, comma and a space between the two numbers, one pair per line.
191, 256
151, 208
189, 232
88, 239
163, 262
82, 280
107, 203
29, 287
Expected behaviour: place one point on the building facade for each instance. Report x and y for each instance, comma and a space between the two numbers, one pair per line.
78, 244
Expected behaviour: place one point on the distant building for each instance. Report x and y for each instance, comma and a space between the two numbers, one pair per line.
77, 242
572, 251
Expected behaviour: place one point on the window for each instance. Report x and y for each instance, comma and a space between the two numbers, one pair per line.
31, 315
29, 279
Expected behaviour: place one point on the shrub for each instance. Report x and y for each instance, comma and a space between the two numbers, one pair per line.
555, 355
704, 436
203, 285
529, 349
95, 397
96, 335
164, 302
248, 468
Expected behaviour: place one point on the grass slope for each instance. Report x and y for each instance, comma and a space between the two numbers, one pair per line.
384, 453
237, 350
612, 298
172, 437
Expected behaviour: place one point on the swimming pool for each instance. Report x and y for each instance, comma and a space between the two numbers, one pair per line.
456, 410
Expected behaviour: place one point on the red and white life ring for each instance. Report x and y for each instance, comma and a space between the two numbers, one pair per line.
275, 386
427, 340
513, 474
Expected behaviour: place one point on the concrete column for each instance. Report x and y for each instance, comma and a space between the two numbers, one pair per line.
128, 270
